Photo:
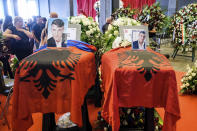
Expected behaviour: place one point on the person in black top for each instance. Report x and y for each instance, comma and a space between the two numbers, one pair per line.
1, 22
19, 37
7, 22
105, 26
37, 30
44, 21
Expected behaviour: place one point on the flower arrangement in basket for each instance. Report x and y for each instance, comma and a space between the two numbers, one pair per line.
189, 81
113, 30
185, 27
90, 31
153, 16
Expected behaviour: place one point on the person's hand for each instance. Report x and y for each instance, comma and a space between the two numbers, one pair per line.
19, 29
16, 37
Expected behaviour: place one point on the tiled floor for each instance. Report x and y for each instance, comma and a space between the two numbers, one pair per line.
180, 62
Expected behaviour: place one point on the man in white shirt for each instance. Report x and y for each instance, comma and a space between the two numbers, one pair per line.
140, 43
58, 38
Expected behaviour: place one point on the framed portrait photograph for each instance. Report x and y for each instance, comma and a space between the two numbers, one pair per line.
137, 35
57, 32
73, 32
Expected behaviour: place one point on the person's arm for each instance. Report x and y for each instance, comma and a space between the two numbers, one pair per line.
37, 41
29, 34
8, 34
43, 37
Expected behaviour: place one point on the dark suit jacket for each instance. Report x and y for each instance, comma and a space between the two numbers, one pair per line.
136, 45
51, 42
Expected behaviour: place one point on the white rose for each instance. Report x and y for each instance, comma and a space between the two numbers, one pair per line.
190, 70
120, 23
110, 27
193, 74
94, 29
182, 86
88, 22
82, 16
12, 65
186, 78
84, 23
90, 27
190, 77
97, 28
187, 84
93, 24
72, 21
91, 31
88, 33
187, 67
116, 33
182, 80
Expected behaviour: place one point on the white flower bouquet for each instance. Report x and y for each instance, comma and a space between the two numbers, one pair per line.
90, 30
113, 30
189, 81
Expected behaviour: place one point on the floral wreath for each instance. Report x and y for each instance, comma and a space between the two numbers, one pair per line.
153, 16
185, 21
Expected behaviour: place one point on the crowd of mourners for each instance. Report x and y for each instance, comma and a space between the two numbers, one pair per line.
22, 37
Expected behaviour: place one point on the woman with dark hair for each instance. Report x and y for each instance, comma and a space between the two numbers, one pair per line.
7, 22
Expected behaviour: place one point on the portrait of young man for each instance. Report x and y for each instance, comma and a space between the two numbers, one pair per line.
140, 43
58, 37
